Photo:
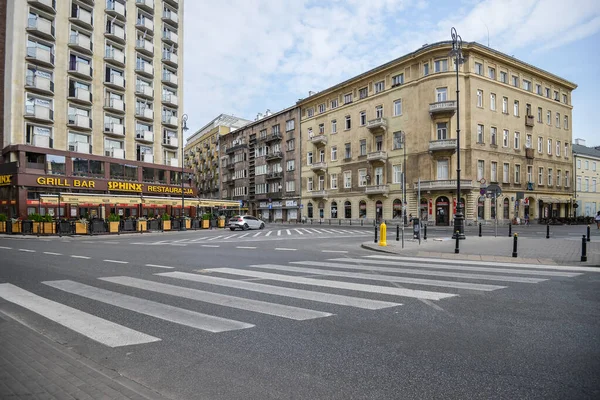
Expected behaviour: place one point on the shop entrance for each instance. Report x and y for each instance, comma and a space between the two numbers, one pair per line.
442, 211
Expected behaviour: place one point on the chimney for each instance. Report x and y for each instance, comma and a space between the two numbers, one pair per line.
580, 142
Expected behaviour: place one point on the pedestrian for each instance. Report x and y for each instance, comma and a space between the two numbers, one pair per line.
526, 219
598, 220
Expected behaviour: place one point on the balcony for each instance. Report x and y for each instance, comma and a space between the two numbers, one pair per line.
173, 162
174, 3
82, 18
170, 100
115, 9
147, 157
116, 33
115, 153
80, 95
144, 136
319, 166
377, 125
146, 5
46, 5
444, 146
233, 148
39, 84
114, 129
442, 108
144, 46
80, 122
169, 79
319, 140
274, 175
114, 105
115, 81
42, 141
144, 68
39, 113
529, 121
145, 24
169, 58
318, 194
145, 113
40, 56
41, 27
272, 137
144, 91
170, 37
115, 56
444, 184
170, 17
277, 155
80, 147
81, 70
230, 166
170, 120
81, 43
383, 190
376, 156
171, 141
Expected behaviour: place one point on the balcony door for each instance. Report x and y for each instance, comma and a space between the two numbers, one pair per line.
379, 176
442, 170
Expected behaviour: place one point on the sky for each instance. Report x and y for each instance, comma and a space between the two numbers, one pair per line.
242, 57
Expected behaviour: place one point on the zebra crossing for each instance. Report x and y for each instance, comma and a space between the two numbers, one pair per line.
321, 289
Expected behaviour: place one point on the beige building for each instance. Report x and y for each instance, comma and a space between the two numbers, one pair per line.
515, 132
587, 178
202, 153
92, 88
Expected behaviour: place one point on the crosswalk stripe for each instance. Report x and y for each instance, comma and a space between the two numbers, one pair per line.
159, 266
165, 312
244, 235
278, 233
320, 297
288, 231
490, 263
269, 233
458, 267
299, 232
385, 278
230, 236
421, 294
95, 328
200, 239
483, 277
262, 307
257, 234
214, 238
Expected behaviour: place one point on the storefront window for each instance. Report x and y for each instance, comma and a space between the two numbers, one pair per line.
175, 178
506, 208
130, 172
481, 207
148, 174
397, 205
347, 210
55, 165
116, 171
97, 168
362, 209
333, 209
162, 176
309, 207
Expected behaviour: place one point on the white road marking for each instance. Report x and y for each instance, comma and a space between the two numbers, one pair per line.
420, 294
116, 261
257, 234
284, 249
244, 235
82, 257
157, 310
95, 328
52, 254
262, 307
284, 291
245, 247
27, 250
333, 251
178, 244
214, 238
385, 278
278, 233
211, 245
269, 233
288, 232
230, 236
5, 248
159, 266
297, 230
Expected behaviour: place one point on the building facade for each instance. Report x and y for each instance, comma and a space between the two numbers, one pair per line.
261, 166
515, 132
587, 177
93, 94
202, 154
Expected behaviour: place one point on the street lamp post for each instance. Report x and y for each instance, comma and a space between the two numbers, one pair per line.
184, 128
459, 229
403, 138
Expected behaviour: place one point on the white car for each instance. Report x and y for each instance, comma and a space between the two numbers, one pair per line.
245, 222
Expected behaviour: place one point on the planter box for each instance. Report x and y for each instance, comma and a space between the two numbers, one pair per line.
166, 225
64, 228
153, 225
3, 227
97, 226
128, 225
195, 223
48, 228
16, 227
142, 226
205, 224
221, 223
188, 223
81, 228
175, 224
113, 226
36, 228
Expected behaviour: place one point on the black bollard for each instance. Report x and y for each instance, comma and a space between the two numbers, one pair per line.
509, 229
480, 229
547, 231
311, 221
456, 247
514, 253
340, 222
397, 233
329, 221
375, 234
425, 232
583, 249
588, 233
320, 221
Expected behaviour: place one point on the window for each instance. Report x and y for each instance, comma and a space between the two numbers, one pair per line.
379, 87
440, 65
333, 153
594, 166
441, 94
321, 108
348, 98
397, 80
290, 166
397, 173
333, 184
493, 135
557, 148
538, 89
517, 173
362, 93
550, 177
566, 150
539, 115
540, 144
549, 117
333, 126
556, 96
289, 125
321, 129
479, 133
558, 120
505, 172
290, 186
479, 68
347, 151
578, 184
290, 145
348, 122
492, 73
528, 140
363, 147
540, 175
397, 141
567, 179
362, 120
529, 174
547, 90
442, 130
593, 188
578, 163
379, 112
347, 179
309, 184
442, 169
505, 105
517, 140
515, 81
558, 178
425, 69
505, 138
587, 165
493, 101
310, 112
397, 108
480, 98
549, 147
528, 109
309, 158
362, 177
494, 171
334, 103
503, 77
566, 122
564, 97
480, 169
516, 108
527, 85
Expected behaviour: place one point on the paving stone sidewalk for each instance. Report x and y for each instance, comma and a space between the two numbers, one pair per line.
559, 251
34, 367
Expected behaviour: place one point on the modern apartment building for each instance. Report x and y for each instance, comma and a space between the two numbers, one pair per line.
261, 163
515, 123
587, 178
92, 90
202, 153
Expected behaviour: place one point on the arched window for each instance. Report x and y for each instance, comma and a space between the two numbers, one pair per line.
379, 210
397, 206
321, 209
347, 209
493, 207
481, 207
362, 209
309, 207
506, 208
333, 209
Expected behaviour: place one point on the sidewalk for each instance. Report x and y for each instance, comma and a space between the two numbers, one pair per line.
561, 251
34, 367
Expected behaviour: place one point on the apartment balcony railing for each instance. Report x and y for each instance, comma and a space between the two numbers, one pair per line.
319, 166
46, 5
445, 145
169, 78
115, 105
378, 189
40, 84
116, 33
377, 125
319, 140
114, 129
442, 107
274, 156
529, 120
41, 27
81, 43
377, 156
318, 194
40, 56
444, 184
147, 5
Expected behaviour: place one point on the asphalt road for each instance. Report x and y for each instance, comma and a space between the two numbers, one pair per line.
308, 316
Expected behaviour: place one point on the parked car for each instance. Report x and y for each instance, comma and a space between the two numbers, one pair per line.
245, 222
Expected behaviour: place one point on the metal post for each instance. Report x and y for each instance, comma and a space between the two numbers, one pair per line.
588, 233
480, 229
459, 59
425, 231
583, 249
376, 234
59, 226
509, 229
547, 231
457, 245
184, 128
397, 233
514, 253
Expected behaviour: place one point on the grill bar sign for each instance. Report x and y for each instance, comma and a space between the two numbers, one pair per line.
5, 180
130, 187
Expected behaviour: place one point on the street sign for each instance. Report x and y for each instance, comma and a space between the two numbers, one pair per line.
495, 189
482, 181
482, 191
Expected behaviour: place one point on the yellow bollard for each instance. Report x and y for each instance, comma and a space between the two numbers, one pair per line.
382, 234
